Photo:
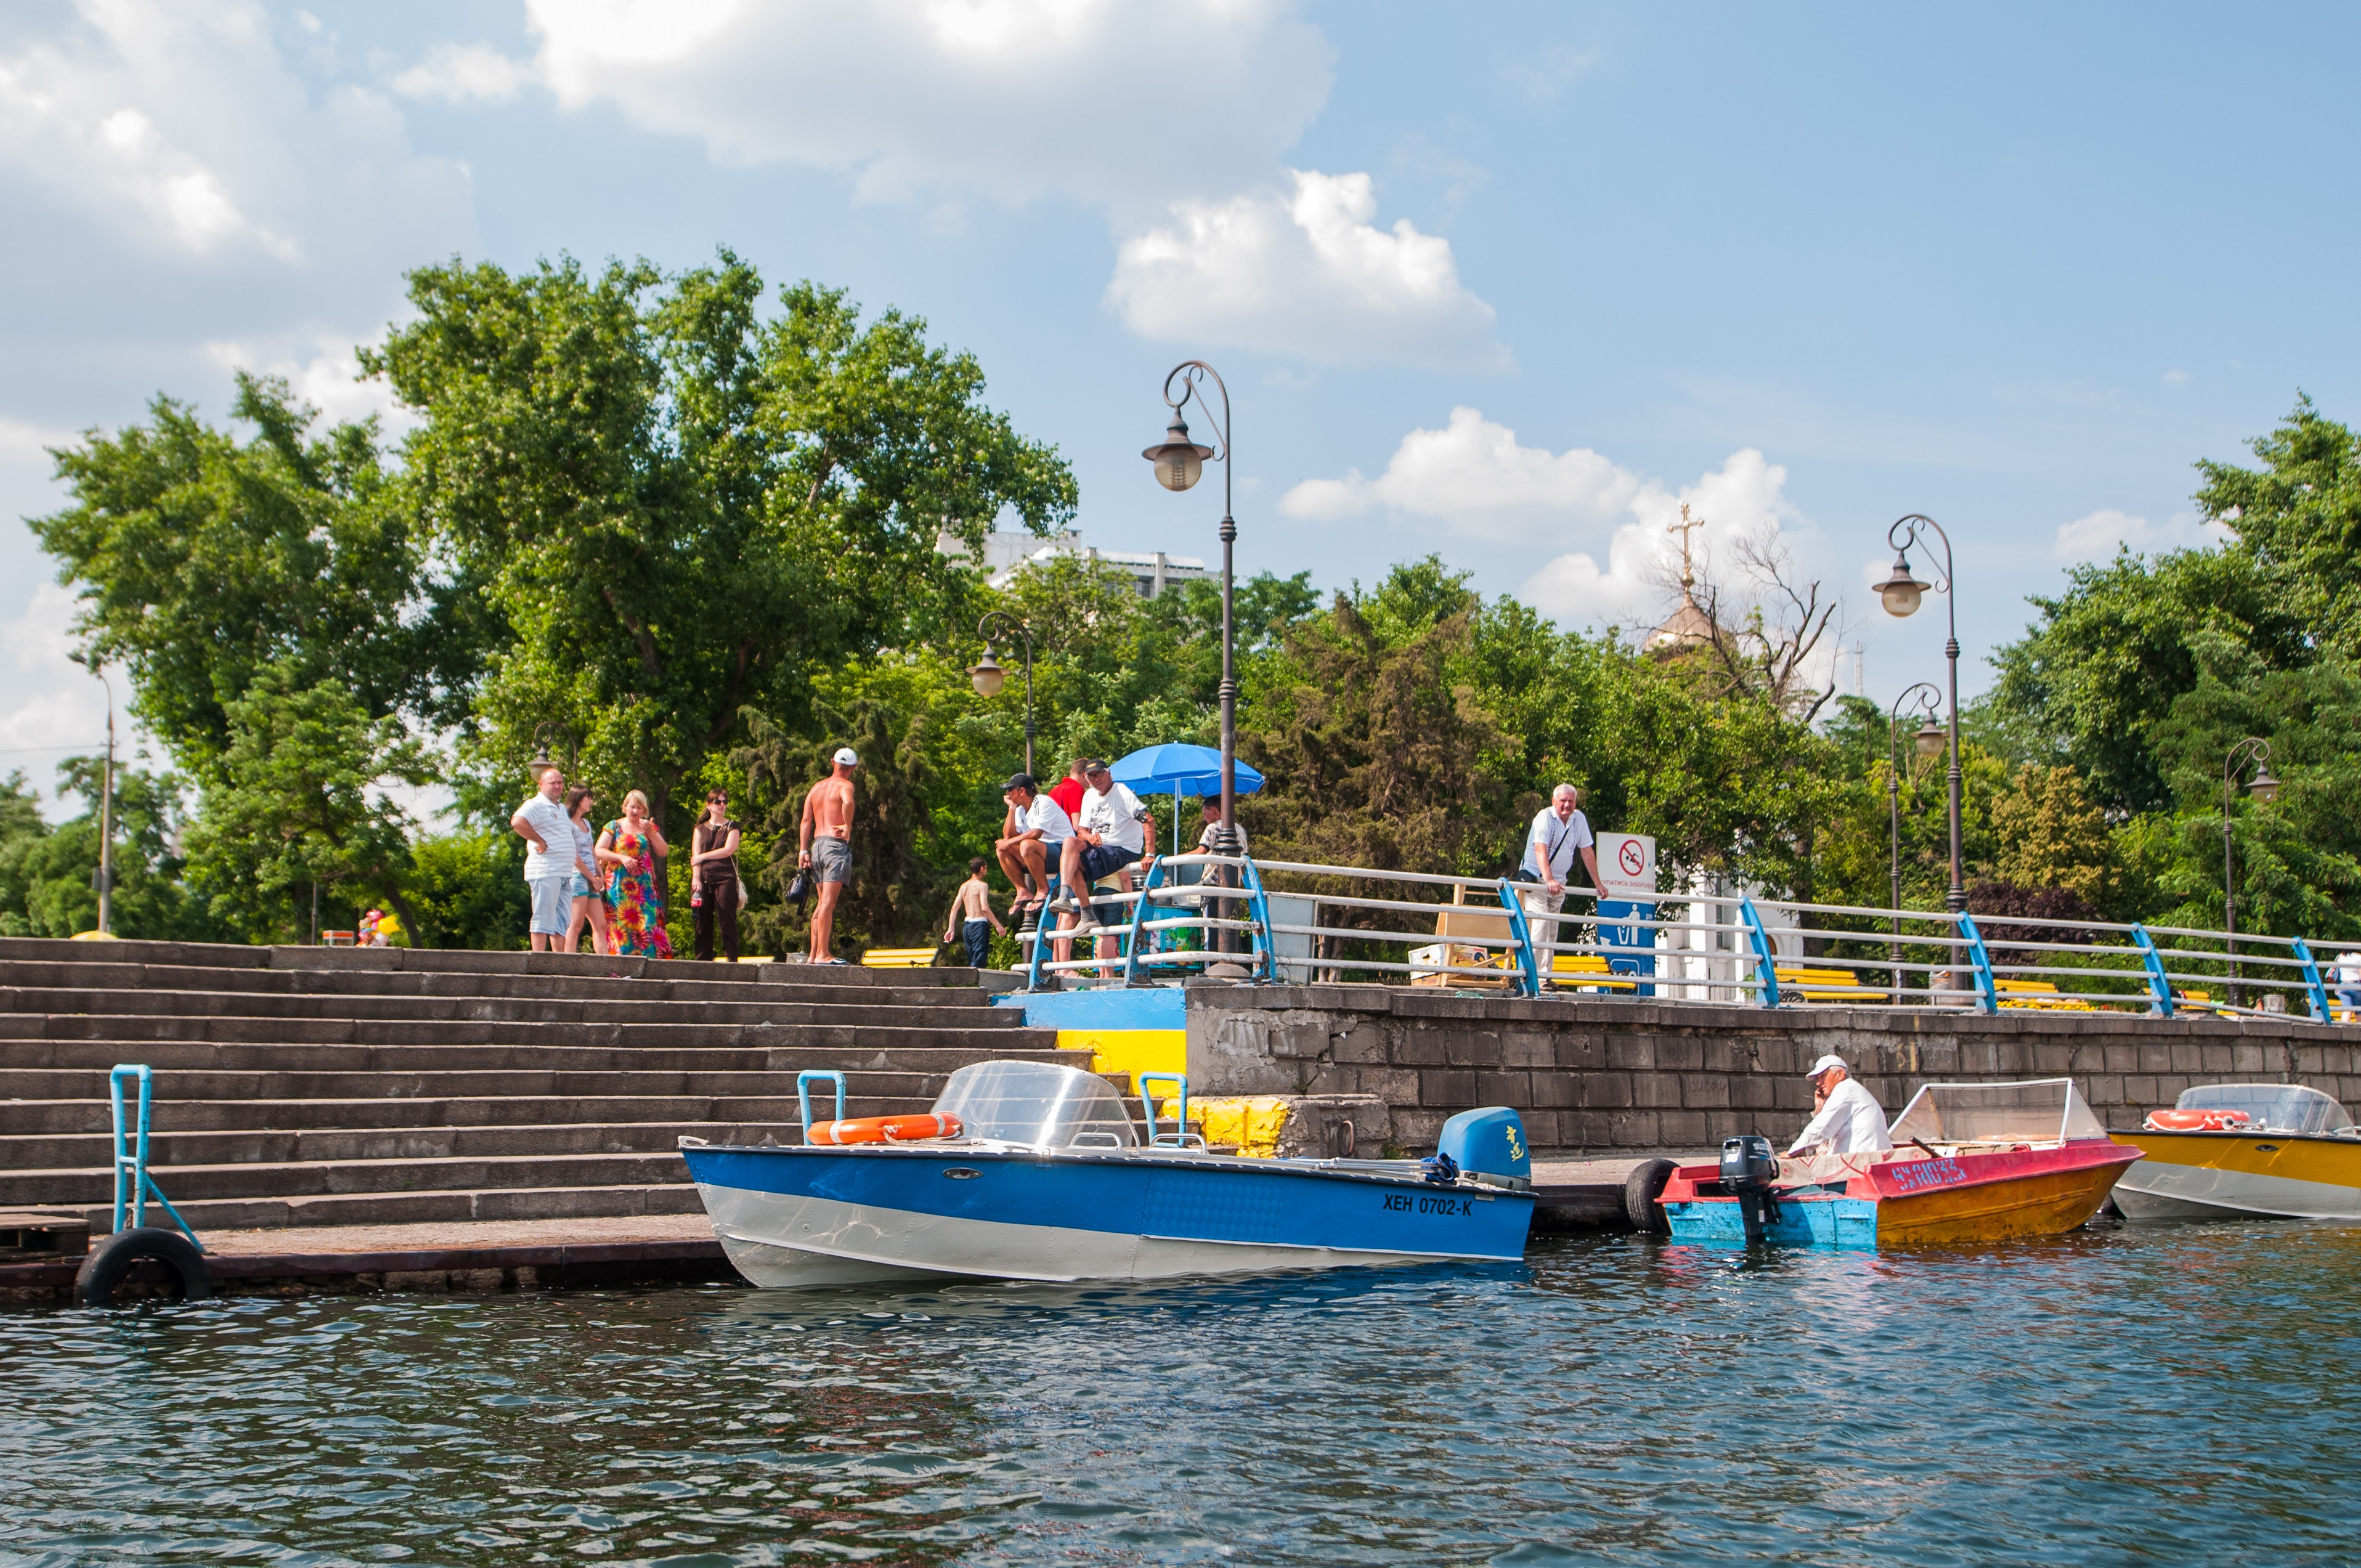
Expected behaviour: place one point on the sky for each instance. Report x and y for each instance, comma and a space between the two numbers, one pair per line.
1507, 285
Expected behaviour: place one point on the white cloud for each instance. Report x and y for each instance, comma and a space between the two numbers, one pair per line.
1473, 475
1114, 103
1743, 497
327, 378
460, 73
56, 709
1306, 274
2097, 536
2176, 378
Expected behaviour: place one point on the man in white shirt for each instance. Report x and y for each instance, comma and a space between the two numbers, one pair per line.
1559, 833
1114, 831
1850, 1120
1036, 829
541, 822
2347, 973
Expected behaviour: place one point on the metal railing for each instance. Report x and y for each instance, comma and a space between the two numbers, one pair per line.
1495, 934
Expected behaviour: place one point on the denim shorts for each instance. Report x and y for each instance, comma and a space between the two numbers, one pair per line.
551, 909
577, 886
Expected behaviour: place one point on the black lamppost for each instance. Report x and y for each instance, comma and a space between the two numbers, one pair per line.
988, 677
1901, 593
2264, 788
1926, 742
1179, 463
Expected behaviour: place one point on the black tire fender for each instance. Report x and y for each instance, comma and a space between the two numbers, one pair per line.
1641, 1190
109, 1261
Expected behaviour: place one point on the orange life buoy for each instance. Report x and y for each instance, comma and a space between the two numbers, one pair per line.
887, 1129
2195, 1121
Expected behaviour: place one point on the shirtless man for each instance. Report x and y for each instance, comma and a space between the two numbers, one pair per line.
827, 851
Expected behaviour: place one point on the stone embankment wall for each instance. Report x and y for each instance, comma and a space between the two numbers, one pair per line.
1612, 1075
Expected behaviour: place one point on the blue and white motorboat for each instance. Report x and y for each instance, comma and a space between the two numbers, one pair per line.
1048, 1179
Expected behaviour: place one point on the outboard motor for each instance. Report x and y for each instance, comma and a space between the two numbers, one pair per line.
1488, 1146
1749, 1172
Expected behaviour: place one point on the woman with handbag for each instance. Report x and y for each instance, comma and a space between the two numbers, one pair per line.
713, 875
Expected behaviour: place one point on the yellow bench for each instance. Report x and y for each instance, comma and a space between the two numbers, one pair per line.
1590, 972
899, 958
1826, 985
2039, 993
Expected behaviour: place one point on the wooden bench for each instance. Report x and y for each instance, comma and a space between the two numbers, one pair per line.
2041, 994
1826, 985
899, 958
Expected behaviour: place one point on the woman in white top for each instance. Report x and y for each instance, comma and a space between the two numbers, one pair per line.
586, 888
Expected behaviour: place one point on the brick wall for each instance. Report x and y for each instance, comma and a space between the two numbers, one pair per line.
1610, 1075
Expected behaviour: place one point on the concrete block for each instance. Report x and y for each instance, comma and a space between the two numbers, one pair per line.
1472, 1047
2249, 1061
1751, 1091
1542, 1130
1362, 1042
2188, 1056
1633, 1130
1555, 1089
1704, 1090
1631, 1052
1509, 1089
1527, 1048
1581, 1051
1416, 1130
1655, 1091
2155, 1058
1684, 1130
1420, 1046
1679, 1053
2139, 1089
1300, 1040
1396, 1086
1452, 1087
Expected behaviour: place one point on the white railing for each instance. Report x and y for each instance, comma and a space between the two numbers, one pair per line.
1722, 948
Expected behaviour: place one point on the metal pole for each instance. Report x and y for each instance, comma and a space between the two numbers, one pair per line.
107, 822
1955, 899
2260, 750
1894, 813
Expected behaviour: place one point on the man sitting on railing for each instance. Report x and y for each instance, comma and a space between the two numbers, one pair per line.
1114, 831
1559, 832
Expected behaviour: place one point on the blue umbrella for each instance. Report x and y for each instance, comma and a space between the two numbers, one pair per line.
1175, 770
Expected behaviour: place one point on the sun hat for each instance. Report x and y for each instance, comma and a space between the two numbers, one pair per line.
1830, 1063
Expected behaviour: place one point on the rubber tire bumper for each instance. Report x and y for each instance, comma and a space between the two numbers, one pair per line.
113, 1259
1641, 1190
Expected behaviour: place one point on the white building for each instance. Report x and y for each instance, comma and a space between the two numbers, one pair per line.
1006, 554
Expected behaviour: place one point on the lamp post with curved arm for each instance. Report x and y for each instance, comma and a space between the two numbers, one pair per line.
987, 677
1901, 593
2264, 787
1926, 741
1179, 463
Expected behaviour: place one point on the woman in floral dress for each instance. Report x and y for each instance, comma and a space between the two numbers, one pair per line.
630, 844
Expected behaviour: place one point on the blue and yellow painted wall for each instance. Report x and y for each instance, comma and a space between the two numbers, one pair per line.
1127, 1032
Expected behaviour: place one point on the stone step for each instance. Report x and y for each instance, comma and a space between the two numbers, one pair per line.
90, 1001
30, 1118
301, 1179
439, 1206
182, 1086
137, 978
168, 1151
132, 1027
769, 1051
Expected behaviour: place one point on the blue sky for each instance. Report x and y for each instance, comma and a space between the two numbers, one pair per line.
1505, 283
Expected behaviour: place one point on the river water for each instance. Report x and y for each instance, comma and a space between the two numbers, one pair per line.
2159, 1395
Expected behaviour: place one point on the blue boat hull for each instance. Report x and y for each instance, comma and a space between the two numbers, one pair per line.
1829, 1222
803, 1215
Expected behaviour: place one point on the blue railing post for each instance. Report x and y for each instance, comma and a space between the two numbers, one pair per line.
131, 1179
2159, 986
1523, 929
1258, 911
1981, 959
2312, 981
803, 1094
1765, 969
1041, 933
1138, 920
1147, 1104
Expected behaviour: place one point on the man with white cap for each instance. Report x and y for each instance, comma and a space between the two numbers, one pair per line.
1850, 1120
828, 849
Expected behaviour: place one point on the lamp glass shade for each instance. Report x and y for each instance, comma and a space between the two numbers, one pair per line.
542, 763
1901, 591
1930, 739
987, 676
2265, 787
1180, 462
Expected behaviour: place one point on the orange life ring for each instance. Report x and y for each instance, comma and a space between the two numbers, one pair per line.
2195, 1121
887, 1129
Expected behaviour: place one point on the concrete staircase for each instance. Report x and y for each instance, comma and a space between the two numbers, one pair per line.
315, 1086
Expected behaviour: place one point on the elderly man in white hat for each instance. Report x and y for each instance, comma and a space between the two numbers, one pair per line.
1850, 1120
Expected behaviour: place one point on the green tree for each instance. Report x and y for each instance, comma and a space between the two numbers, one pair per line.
48, 877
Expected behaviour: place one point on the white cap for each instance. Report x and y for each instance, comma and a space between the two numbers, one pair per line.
1827, 1064
844, 754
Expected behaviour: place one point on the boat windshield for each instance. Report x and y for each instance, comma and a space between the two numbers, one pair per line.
1040, 1103
2281, 1107
2046, 1110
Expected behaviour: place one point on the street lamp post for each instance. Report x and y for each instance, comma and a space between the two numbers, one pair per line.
2264, 788
1179, 463
1901, 593
987, 676
1926, 741
106, 819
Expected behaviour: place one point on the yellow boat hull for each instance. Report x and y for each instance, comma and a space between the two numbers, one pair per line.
2210, 1175
2049, 1204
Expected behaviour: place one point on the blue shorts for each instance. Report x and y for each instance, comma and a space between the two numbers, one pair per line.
553, 907
1106, 859
577, 886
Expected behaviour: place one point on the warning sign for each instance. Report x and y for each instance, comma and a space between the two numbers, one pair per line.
1627, 867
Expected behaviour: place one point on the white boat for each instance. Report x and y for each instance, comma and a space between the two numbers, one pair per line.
1046, 1176
2274, 1150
